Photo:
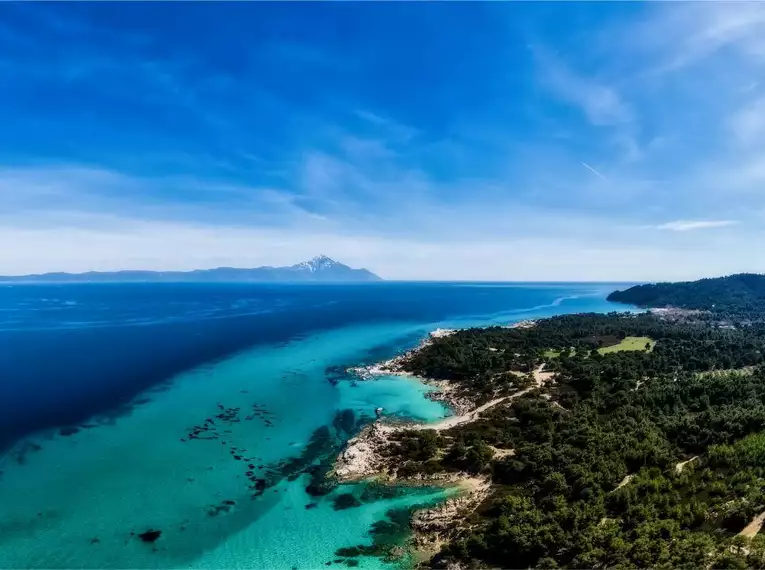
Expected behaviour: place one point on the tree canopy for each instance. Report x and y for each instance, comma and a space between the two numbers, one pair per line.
596, 475
741, 295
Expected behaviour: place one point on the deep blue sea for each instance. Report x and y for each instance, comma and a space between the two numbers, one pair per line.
209, 412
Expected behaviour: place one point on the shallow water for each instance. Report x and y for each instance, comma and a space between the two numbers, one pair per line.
79, 500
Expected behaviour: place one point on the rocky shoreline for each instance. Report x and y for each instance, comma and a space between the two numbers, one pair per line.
363, 458
433, 528
444, 391
395, 366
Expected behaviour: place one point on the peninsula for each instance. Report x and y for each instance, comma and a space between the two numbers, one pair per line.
320, 269
629, 440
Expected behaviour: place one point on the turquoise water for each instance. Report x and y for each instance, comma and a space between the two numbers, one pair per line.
80, 499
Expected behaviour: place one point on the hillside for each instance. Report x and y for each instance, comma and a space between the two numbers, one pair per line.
649, 455
318, 269
738, 295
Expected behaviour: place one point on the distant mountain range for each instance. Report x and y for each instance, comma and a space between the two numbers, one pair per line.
319, 269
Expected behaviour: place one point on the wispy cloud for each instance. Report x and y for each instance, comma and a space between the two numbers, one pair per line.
673, 38
601, 103
748, 123
690, 225
394, 130
64, 192
709, 27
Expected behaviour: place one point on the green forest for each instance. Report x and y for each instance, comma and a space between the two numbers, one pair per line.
741, 296
648, 457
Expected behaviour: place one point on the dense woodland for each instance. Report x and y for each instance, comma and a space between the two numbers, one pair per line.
593, 477
740, 296
485, 362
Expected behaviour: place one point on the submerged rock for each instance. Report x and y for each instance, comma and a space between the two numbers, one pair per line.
215, 510
345, 501
20, 455
150, 535
345, 421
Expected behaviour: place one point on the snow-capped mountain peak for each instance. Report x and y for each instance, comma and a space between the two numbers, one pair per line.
323, 260
323, 268
317, 263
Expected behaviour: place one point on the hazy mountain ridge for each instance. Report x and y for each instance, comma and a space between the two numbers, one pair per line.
318, 269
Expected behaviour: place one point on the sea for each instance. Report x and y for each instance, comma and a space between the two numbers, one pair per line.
191, 425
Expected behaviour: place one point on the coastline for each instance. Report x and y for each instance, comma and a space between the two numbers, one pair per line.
433, 528
201, 472
363, 458
444, 389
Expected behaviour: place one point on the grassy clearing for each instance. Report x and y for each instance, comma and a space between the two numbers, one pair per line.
630, 343
555, 353
746, 370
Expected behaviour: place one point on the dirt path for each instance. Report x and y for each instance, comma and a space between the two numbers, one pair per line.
624, 481
753, 527
540, 377
500, 453
679, 467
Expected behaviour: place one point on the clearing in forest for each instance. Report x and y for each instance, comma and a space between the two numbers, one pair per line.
630, 343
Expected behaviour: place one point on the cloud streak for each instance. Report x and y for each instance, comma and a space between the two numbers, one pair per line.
692, 225
595, 172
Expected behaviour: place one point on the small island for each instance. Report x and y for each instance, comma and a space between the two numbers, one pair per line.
626, 440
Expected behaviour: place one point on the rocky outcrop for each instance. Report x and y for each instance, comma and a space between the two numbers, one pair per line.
396, 365
445, 392
361, 457
433, 527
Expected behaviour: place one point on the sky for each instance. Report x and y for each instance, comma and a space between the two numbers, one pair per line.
445, 141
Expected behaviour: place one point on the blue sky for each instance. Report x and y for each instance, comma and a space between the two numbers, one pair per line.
523, 141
